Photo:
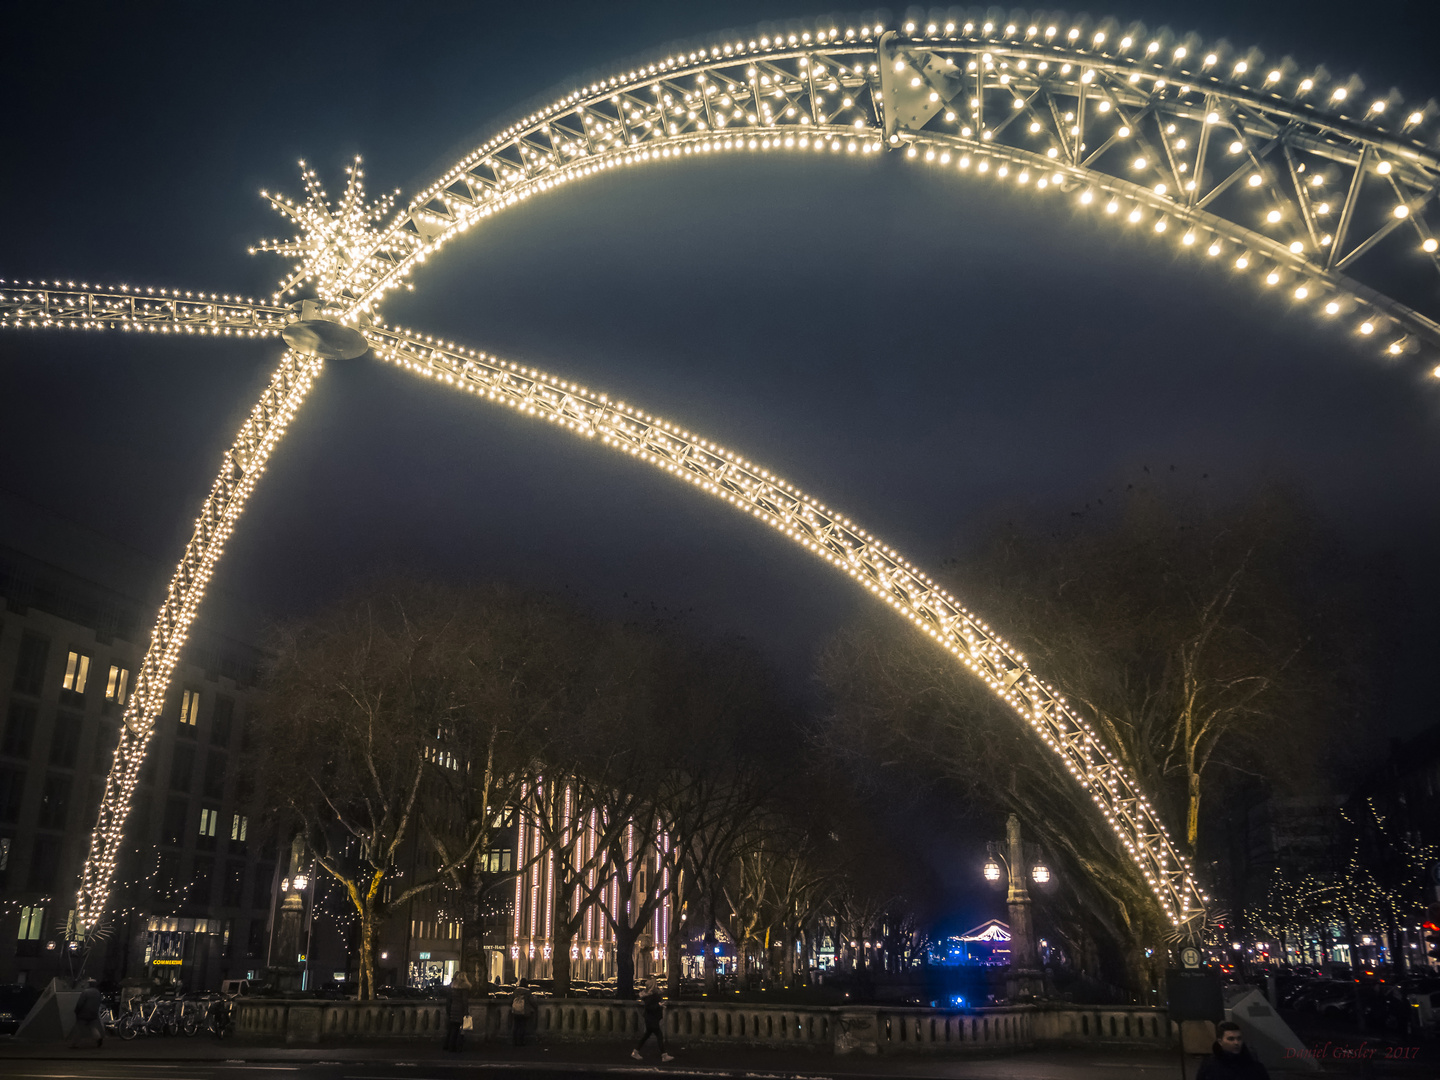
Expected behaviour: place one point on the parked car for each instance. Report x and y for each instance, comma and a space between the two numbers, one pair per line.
1321, 992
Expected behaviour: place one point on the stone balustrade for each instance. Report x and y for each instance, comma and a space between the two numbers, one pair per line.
828, 1029
267, 1019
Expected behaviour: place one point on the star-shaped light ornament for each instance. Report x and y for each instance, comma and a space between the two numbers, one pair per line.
339, 252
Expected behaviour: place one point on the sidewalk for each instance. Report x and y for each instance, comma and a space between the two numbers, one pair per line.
613, 1057
610, 1057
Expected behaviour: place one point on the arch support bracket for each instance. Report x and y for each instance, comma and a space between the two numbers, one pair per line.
915, 84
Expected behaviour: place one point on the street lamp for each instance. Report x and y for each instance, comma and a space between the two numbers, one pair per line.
1008, 860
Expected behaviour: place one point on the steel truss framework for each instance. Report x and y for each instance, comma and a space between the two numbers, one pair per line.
1237, 160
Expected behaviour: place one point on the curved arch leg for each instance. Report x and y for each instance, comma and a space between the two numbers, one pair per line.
241, 467
850, 551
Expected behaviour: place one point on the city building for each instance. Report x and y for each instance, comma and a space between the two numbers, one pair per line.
193, 893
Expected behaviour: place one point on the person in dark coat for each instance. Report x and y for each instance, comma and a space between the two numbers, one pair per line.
1230, 1058
522, 1007
457, 1010
87, 1016
654, 1019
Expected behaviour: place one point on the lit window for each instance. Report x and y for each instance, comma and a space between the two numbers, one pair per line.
238, 826
77, 670
190, 707
117, 685
32, 923
208, 820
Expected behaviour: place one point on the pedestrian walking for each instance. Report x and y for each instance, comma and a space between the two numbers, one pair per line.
521, 1006
87, 1016
1230, 1058
654, 1020
457, 1012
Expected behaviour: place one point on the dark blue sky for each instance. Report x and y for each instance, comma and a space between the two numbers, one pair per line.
922, 353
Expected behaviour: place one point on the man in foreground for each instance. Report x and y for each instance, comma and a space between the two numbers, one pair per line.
1230, 1058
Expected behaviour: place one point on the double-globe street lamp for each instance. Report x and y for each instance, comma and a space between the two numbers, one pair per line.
1008, 860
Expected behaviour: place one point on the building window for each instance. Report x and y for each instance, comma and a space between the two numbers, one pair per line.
234, 884
208, 818
214, 785
177, 812
30, 665
182, 768
4, 857
222, 715
117, 685
32, 923
201, 881
260, 886
12, 786
54, 802
77, 672
190, 707
65, 741
44, 861
19, 729
239, 825
167, 876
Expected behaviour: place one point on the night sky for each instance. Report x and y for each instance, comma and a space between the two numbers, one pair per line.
921, 352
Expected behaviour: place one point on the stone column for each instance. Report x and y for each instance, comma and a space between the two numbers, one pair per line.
1024, 978
289, 939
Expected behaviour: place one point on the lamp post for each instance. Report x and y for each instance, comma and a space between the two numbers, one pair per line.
1025, 978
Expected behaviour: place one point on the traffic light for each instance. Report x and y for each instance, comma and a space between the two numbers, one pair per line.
1431, 926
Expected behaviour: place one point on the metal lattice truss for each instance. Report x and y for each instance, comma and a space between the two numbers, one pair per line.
1300, 183
58, 305
1271, 171
824, 533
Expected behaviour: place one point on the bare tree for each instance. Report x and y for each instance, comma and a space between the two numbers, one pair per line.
356, 723
1184, 632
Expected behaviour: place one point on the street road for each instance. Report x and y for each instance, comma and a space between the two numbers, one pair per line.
72, 1069
183, 1059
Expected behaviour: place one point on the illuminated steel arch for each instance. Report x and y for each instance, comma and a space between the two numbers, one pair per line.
1296, 180
1132, 126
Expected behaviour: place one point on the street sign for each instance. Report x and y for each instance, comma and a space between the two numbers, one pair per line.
1194, 994
1190, 957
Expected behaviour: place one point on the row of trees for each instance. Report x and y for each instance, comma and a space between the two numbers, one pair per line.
1193, 633
434, 720
1377, 885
